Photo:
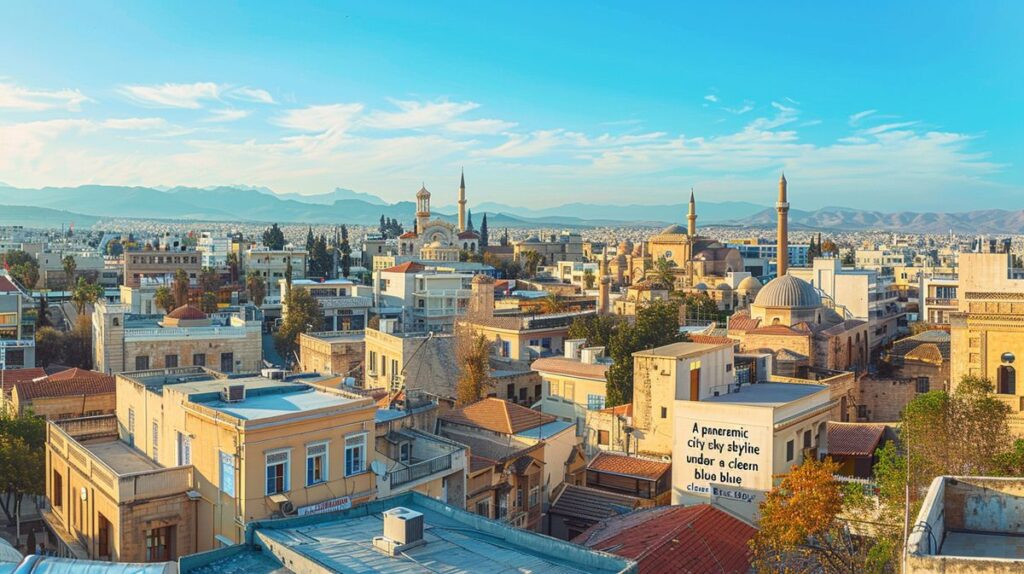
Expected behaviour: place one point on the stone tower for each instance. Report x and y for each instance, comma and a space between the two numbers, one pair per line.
604, 289
462, 203
691, 218
782, 207
422, 208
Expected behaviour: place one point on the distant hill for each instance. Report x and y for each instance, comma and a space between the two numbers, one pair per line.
987, 221
708, 212
42, 217
330, 197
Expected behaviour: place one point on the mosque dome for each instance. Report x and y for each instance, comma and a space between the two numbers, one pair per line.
674, 229
788, 292
749, 284
187, 313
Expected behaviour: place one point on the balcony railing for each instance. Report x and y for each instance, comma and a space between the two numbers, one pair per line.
941, 302
420, 470
187, 332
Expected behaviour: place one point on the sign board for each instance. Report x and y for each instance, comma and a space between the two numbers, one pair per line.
724, 460
343, 503
227, 474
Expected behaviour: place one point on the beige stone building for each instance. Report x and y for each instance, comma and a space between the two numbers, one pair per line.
395, 359
434, 239
123, 341
141, 267
73, 393
987, 331
574, 383
564, 246
192, 456
332, 353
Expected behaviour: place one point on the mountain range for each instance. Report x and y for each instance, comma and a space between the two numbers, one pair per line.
89, 203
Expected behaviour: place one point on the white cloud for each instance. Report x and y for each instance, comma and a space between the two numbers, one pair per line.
256, 95
889, 127
189, 96
485, 126
322, 118
857, 117
135, 124
20, 98
414, 115
226, 115
711, 98
746, 107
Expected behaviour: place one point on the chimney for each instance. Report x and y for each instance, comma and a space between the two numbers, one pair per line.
572, 348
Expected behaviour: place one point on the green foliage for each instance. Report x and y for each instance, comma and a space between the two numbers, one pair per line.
1011, 462
390, 228
321, 262
531, 262
700, 307
589, 278
164, 298
552, 303
209, 302
596, 329
85, 293
303, 316
49, 346
209, 279
473, 356
273, 238
43, 314
508, 269
664, 273
233, 266
656, 324
23, 268
346, 253
256, 287
181, 287
69, 265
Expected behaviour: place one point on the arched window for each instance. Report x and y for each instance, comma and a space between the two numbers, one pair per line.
1007, 380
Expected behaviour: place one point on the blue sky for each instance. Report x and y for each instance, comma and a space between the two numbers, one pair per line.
911, 105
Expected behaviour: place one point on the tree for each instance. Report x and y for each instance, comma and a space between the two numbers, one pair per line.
310, 241
346, 253
596, 329
256, 287
664, 273
850, 258
472, 352
800, 529
69, 265
180, 285
85, 293
49, 346
552, 303
209, 280
321, 263
589, 278
23, 268
208, 302
483, 233
43, 314
233, 267
700, 307
77, 349
531, 262
657, 324
829, 247
22, 460
164, 299
303, 315
273, 238
288, 272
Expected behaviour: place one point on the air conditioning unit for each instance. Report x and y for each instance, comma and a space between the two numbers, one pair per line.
232, 393
284, 506
403, 525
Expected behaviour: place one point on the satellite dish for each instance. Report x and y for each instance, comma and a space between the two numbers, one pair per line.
378, 468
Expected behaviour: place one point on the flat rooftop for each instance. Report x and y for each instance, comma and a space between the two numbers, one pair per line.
337, 336
681, 350
276, 404
456, 541
983, 545
122, 458
767, 394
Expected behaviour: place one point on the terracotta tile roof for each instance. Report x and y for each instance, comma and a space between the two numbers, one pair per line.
854, 439
498, 415
710, 339
407, 267
478, 463
407, 235
935, 341
14, 376
592, 504
469, 235
674, 539
571, 367
743, 323
624, 410
71, 382
6, 285
778, 330
644, 468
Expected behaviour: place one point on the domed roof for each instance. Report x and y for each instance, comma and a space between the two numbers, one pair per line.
187, 313
788, 291
701, 286
750, 284
423, 192
674, 229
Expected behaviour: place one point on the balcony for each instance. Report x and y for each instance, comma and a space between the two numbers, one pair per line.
420, 470
941, 302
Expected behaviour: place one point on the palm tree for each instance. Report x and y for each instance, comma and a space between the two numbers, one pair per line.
552, 303
233, 266
256, 287
181, 286
164, 299
68, 262
85, 294
664, 273
532, 262
589, 278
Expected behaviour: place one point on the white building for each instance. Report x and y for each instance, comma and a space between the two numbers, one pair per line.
214, 249
728, 448
424, 300
938, 297
342, 309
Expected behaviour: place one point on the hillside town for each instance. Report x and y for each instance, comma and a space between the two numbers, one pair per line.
205, 399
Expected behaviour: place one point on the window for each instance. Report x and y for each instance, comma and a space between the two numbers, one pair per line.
316, 463
602, 437
1007, 380
227, 362
277, 471
373, 362
534, 496
483, 507
862, 411
355, 454
807, 439
510, 391
522, 394
923, 384
199, 359
519, 497
170, 361
158, 544
142, 363
404, 452
184, 449
789, 451
537, 391
58, 490
664, 412
502, 506
131, 426
595, 402
227, 474
156, 440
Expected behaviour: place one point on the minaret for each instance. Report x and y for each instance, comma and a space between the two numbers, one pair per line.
782, 207
691, 228
604, 289
422, 208
462, 203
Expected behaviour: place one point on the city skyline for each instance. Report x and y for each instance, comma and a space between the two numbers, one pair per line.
898, 109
